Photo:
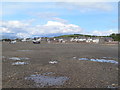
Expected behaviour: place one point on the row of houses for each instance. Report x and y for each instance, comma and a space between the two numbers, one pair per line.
69, 39
88, 39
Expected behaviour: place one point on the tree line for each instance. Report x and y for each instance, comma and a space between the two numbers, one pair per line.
116, 37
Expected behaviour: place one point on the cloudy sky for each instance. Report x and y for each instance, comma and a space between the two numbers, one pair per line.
29, 19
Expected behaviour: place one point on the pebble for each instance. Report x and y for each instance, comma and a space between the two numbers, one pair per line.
53, 62
102, 81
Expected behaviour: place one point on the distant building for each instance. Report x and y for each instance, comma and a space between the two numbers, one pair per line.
101, 40
109, 39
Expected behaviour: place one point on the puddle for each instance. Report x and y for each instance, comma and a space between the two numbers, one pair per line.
19, 63
83, 59
103, 60
24, 50
53, 62
16, 58
42, 80
100, 60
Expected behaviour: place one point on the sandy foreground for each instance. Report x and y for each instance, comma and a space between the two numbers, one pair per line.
58, 65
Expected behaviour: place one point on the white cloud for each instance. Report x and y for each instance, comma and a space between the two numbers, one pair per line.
52, 23
21, 29
16, 24
4, 30
103, 33
23, 35
58, 27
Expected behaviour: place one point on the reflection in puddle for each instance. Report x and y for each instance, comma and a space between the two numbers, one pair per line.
99, 60
53, 62
42, 80
83, 59
16, 58
103, 60
19, 63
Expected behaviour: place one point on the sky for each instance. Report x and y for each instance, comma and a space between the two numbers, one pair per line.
30, 19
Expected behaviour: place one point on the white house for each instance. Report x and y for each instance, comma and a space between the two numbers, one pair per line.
13, 42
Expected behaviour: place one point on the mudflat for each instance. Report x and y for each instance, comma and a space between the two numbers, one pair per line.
58, 65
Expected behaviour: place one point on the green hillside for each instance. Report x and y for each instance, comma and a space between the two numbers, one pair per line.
116, 37
77, 35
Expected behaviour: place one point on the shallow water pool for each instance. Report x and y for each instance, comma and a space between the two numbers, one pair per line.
43, 80
19, 63
100, 60
17, 58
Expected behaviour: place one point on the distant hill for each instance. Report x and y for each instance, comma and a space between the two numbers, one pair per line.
116, 37
77, 35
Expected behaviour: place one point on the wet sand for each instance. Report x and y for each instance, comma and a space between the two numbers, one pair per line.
79, 73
